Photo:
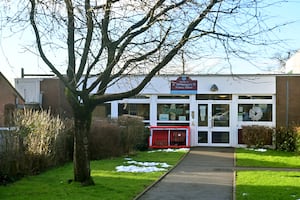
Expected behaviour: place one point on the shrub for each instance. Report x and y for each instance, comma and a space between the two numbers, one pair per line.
134, 135
117, 137
104, 140
257, 136
288, 138
11, 157
39, 142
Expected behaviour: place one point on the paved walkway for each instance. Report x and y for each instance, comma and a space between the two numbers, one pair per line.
205, 173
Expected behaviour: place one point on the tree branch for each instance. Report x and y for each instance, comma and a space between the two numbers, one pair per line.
88, 39
189, 30
38, 42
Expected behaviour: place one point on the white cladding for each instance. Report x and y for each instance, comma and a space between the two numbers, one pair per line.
227, 84
29, 88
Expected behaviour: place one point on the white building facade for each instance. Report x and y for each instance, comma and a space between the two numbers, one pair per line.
215, 107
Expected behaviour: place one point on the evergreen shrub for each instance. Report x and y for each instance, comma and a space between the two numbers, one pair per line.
288, 138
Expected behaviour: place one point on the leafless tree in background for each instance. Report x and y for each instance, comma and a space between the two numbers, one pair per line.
108, 39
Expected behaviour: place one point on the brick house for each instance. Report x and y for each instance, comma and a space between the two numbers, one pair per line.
46, 93
10, 99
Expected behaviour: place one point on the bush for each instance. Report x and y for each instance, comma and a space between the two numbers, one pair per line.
134, 134
115, 138
288, 138
257, 136
40, 141
104, 140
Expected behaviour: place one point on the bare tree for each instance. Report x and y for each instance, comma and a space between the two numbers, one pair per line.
108, 39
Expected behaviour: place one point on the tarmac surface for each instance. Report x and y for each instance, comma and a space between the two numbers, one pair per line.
205, 173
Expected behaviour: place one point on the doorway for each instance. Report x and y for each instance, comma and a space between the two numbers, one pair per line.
213, 123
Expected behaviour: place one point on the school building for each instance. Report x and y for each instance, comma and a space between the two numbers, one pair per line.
203, 110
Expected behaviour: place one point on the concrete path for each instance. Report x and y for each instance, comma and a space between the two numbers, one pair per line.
205, 173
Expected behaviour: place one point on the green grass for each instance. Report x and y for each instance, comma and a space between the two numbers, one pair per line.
270, 158
269, 185
110, 184
264, 184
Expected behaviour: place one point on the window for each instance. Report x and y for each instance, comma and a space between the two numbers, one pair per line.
202, 136
220, 137
173, 112
255, 112
174, 97
139, 97
141, 110
213, 97
102, 111
255, 97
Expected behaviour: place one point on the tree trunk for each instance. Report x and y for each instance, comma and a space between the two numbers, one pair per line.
82, 171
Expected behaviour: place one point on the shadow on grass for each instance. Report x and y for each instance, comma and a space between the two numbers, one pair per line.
54, 184
116, 186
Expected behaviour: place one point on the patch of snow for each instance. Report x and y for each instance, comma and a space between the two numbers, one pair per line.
136, 166
148, 164
259, 150
140, 169
170, 150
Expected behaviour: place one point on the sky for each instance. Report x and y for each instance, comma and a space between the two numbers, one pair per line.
14, 55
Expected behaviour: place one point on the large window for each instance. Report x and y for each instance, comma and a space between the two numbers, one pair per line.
255, 112
141, 110
173, 112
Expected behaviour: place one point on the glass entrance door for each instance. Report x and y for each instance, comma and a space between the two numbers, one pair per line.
214, 124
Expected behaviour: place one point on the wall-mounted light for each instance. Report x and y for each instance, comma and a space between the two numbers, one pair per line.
214, 88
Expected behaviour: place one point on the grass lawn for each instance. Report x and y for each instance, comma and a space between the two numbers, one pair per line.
270, 185
110, 184
270, 158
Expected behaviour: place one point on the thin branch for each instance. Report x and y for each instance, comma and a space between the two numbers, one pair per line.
189, 30
88, 39
39, 45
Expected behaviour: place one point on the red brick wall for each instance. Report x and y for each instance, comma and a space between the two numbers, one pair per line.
54, 97
8, 95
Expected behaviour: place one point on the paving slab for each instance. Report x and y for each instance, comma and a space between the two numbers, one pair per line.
205, 173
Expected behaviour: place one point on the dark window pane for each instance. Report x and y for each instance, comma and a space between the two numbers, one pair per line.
202, 137
213, 97
174, 97
141, 110
102, 111
220, 137
255, 97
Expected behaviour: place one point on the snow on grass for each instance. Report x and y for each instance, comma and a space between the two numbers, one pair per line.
135, 166
259, 150
138, 169
145, 167
170, 150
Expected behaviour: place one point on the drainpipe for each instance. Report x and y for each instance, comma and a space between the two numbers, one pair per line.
287, 103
